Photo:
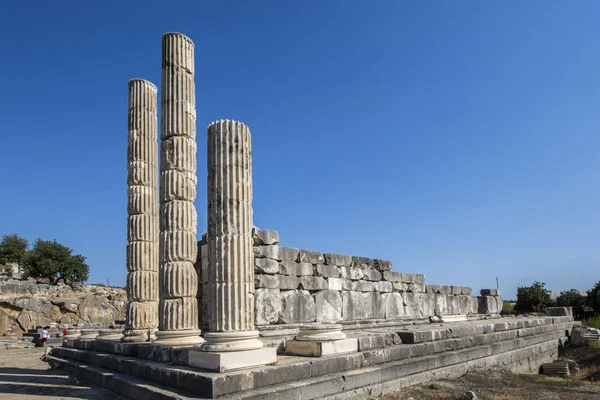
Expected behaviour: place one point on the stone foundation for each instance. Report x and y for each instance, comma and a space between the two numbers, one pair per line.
387, 360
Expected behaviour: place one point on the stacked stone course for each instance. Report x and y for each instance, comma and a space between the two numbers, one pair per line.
295, 286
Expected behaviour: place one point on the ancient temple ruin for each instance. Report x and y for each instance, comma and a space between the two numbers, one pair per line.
237, 315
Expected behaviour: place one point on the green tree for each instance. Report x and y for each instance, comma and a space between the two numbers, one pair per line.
593, 298
572, 298
534, 298
52, 260
13, 249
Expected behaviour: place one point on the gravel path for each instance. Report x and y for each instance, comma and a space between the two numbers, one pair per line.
23, 376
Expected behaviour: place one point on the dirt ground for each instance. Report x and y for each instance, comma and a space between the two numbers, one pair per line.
502, 385
23, 376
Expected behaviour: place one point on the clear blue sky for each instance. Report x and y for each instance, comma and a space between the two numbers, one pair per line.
457, 139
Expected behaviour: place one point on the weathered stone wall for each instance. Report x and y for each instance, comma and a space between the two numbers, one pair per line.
302, 286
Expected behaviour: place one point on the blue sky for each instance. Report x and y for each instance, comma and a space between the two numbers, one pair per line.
457, 139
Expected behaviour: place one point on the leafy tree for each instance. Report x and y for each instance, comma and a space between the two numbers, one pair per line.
534, 298
593, 298
572, 298
13, 249
52, 260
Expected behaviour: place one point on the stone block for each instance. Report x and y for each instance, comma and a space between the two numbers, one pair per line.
266, 266
267, 306
440, 307
233, 360
445, 289
328, 271
363, 262
364, 286
271, 252
463, 304
452, 306
394, 305
378, 341
294, 268
490, 292
383, 265
357, 306
338, 259
288, 282
348, 284
416, 287
434, 289
329, 306
473, 305
354, 273
412, 278
313, 283
418, 304
288, 253
335, 283
487, 305
466, 291
371, 274
400, 286
455, 289
265, 237
383, 286
266, 281
393, 276
320, 349
311, 257
297, 306
559, 311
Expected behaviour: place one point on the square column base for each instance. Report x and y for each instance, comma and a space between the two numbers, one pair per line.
232, 360
454, 318
320, 349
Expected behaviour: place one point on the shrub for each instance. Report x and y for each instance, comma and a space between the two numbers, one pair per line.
508, 307
534, 298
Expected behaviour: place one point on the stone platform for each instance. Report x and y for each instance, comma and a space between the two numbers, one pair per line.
388, 358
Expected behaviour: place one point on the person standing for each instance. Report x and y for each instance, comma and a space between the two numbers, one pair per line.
44, 335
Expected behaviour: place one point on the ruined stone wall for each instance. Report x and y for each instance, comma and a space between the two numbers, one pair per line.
302, 286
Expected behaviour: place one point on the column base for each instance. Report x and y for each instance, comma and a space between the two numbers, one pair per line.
109, 335
135, 335
320, 340
231, 341
320, 349
189, 337
232, 360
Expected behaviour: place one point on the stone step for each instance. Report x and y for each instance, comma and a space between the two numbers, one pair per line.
428, 333
290, 369
358, 382
122, 384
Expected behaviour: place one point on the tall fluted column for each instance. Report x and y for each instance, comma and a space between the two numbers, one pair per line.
178, 281
142, 208
230, 256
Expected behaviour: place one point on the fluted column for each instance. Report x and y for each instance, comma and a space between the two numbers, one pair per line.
178, 281
142, 207
230, 256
